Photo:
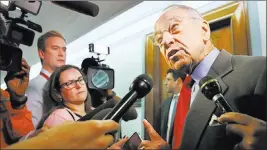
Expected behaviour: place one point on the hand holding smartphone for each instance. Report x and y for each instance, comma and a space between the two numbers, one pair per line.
133, 142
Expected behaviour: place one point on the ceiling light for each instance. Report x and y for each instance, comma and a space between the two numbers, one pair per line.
5, 2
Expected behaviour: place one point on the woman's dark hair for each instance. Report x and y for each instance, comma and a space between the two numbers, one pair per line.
54, 92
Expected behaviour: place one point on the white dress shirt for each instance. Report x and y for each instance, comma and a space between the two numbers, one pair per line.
35, 102
171, 115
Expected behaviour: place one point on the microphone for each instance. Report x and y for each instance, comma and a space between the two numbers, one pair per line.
211, 88
140, 87
131, 114
83, 7
108, 104
100, 115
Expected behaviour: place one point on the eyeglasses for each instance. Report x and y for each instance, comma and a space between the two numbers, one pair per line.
72, 83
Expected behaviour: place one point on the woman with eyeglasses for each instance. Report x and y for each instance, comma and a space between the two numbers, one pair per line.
68, 89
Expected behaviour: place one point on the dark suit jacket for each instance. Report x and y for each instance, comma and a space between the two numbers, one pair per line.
243, 83
162, 118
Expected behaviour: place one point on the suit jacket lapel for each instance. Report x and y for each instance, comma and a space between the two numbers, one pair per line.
202, 108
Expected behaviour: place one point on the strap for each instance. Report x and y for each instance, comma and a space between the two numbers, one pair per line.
44, 75
78, 115
71, 115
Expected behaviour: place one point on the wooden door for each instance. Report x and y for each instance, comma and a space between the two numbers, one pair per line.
229, 31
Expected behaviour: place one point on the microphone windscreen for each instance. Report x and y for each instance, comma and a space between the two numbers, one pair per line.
204, 80
83, 7
142, 85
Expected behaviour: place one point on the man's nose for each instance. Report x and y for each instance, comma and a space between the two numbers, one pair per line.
168, 39
61, 52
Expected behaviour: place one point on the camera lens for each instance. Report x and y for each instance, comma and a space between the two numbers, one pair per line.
100, 79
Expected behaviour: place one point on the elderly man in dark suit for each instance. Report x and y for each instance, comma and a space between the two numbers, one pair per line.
184, 39
165, 117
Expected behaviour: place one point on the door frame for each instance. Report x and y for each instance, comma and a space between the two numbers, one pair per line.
239, 21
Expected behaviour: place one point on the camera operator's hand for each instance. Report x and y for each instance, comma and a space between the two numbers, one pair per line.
17, 82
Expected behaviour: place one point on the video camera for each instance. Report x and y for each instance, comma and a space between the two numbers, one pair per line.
11, 54
100, 76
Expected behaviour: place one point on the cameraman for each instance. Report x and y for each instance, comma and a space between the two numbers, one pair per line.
100, 96
16, 119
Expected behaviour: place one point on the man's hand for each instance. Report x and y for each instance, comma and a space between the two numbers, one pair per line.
38, 131
77, 135
17, 82
156, 141
119, 144
252, 130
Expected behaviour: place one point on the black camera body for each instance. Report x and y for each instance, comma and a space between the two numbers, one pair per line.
15, 34
99, 76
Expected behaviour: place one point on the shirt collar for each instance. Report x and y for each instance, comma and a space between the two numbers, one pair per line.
46, 72
175, 95
204, 66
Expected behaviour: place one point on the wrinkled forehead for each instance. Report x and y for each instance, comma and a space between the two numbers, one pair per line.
170, 16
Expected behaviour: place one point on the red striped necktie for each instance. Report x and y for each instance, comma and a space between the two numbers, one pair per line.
181, 112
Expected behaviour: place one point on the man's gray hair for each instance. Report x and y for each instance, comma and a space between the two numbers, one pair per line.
193, 12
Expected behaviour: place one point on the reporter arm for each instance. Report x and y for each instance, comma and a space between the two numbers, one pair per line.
38, 142
21, 119
88, 134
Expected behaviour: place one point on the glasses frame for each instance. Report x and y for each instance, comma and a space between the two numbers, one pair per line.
73, 83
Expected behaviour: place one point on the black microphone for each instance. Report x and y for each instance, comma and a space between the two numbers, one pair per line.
100, 115
211, 88
108, 104
83, 7
140, 87
131, 114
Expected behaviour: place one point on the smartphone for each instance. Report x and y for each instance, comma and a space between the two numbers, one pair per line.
133, 142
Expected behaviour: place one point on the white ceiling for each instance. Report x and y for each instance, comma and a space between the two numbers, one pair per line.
71, 24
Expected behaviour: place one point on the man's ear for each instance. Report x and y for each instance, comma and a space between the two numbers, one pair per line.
41, 54
205, 31
178, 81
